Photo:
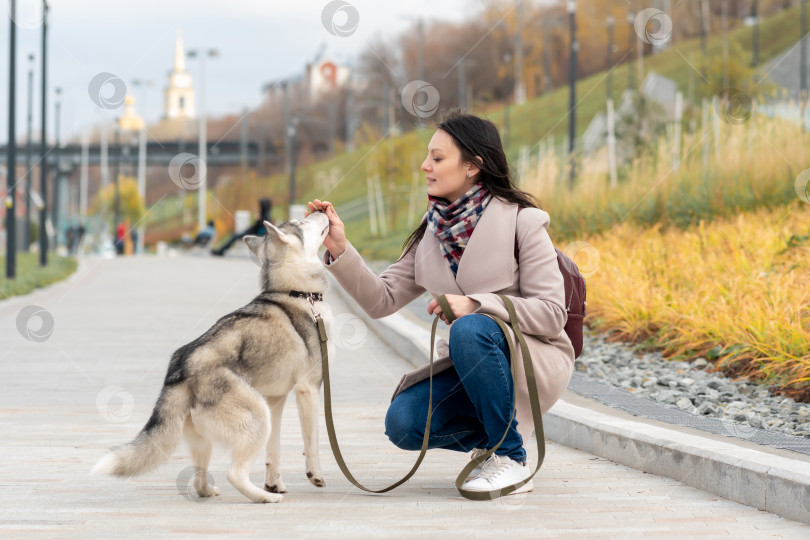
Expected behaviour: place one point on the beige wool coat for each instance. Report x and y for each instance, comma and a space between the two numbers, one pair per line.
487, 268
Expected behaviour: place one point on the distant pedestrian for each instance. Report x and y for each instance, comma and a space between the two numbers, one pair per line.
120, 232
258, 229
71, 239
79, 236
206, 235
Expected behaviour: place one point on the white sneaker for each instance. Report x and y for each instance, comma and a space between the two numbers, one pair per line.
480, 467
499, 472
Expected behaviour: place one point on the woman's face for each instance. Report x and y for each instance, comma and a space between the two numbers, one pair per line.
446, 175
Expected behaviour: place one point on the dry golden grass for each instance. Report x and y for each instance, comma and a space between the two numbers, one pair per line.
708, 258
736, 289
748, 166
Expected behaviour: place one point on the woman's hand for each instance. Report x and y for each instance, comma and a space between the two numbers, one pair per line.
461, 305
335, 241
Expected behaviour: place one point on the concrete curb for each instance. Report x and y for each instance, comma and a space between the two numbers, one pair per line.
759, 478
752, 477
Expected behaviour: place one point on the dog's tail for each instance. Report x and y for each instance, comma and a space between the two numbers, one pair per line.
157, 440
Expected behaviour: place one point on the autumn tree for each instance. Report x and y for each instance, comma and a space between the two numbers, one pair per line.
132, 205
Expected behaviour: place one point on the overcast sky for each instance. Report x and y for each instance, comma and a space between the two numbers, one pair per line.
258, 42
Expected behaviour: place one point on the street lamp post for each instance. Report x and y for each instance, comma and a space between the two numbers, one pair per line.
420, 55
203, 150
43, 152
507, 57
55, 217
462, 84
83, 180
704, 26
609, 61
755, 37
350, 113
546, 56
125, 159
520, 86
803, 57
27, 231
292, 132
142, 158
285, 91
420, 32
420, 59
11, 215
572, 83
611, 124
117, 156
631, 18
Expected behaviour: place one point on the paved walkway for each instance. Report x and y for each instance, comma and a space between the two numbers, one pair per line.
91, 385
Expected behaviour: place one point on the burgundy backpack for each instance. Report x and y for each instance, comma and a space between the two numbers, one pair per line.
574, 297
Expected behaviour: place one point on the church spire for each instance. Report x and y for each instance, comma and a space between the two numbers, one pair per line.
179, 96
179, 54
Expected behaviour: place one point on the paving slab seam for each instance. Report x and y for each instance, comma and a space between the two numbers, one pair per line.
759, 479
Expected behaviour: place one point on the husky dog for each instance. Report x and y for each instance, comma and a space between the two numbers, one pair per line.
227, 385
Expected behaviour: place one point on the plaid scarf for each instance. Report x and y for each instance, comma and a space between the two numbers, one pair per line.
452, 223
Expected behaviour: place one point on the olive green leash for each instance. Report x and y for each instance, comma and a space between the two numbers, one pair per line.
462, 477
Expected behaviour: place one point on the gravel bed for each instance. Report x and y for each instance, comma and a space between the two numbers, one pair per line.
691, 387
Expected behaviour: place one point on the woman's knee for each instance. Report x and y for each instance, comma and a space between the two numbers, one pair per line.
401, 425
471, 327
472, 334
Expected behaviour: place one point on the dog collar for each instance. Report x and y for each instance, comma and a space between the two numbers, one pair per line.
314, 296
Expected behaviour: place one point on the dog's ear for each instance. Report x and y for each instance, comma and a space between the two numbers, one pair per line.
275, 234
253, 242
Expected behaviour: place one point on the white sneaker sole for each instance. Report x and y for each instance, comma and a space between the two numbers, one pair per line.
529, 486
524, 489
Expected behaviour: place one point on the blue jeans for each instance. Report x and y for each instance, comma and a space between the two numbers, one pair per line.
472, 401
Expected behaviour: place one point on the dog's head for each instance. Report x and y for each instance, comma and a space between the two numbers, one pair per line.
290, 250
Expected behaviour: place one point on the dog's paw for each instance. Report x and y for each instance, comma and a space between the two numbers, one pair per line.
276, 488
212, 491
317, 481
269, 498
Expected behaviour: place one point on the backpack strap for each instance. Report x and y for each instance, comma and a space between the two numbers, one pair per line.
516, 242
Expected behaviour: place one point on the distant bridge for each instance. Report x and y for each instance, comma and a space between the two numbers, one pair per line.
157, 153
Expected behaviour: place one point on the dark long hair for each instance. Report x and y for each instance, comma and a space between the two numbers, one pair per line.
475, 136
